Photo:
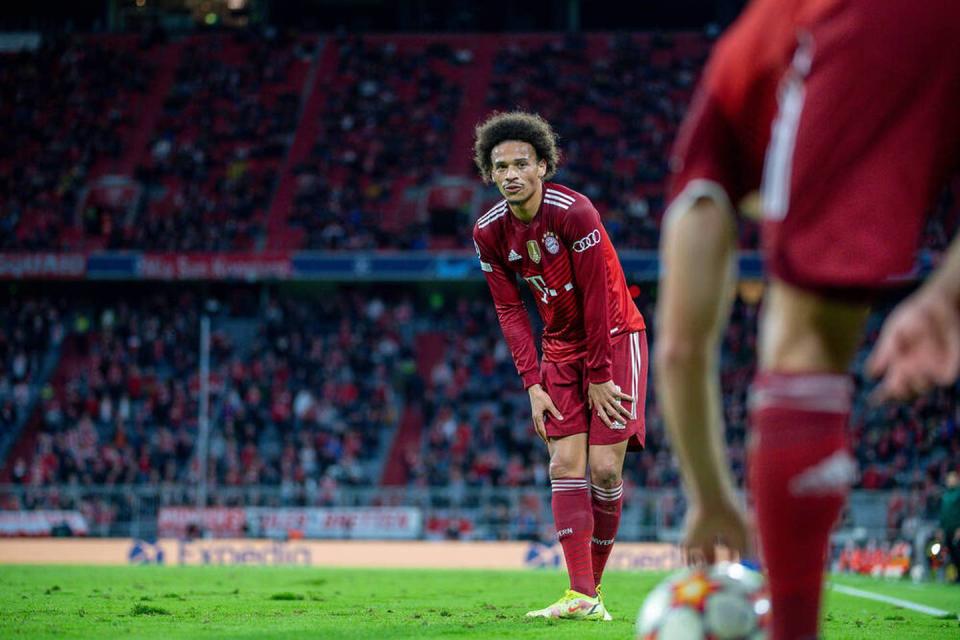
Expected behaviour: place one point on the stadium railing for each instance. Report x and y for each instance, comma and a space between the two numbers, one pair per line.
317, 511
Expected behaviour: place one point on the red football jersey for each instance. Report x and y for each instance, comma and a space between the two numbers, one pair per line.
725, 133
750, 59
573, 271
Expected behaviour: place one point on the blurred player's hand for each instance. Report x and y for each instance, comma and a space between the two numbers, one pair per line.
721, 523
540, 403
918, 348
605, 398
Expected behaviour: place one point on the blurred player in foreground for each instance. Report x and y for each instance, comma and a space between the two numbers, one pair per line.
863, 137
588, 395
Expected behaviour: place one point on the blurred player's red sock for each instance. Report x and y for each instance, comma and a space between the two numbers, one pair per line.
800, 474
607, 505
574, 520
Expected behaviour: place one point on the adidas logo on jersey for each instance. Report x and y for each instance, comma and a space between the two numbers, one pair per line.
514, 256
833, 475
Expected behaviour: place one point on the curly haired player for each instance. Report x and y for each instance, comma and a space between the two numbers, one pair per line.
587, 396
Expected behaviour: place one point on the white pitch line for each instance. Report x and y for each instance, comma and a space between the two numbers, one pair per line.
906, 604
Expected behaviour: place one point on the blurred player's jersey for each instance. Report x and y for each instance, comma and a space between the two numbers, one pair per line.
727, 128
845, 111
574, 274
865, 136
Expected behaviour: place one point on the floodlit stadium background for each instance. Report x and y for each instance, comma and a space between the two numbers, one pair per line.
242, 320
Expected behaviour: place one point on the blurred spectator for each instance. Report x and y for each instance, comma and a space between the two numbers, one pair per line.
223, 110
306, 394
68, 109
950, 521
387, 126
226, 125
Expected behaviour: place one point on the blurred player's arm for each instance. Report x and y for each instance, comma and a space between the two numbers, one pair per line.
919, 345
581, 233
698, 246
515, 324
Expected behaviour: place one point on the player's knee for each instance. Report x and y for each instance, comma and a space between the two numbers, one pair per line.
674, 350
605, 474
567, 466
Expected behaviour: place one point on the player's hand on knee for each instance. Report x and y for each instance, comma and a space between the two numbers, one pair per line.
918, 347
720, 523
540, 404
606, 398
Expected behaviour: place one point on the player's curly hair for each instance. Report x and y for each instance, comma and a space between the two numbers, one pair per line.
515, 125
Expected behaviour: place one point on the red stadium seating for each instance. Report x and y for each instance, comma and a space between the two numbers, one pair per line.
251, 141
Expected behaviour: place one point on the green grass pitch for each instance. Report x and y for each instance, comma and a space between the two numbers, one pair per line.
256, 602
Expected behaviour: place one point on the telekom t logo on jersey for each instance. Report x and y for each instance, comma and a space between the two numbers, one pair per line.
538, 283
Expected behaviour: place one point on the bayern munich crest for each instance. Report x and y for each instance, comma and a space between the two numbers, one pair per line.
550, 243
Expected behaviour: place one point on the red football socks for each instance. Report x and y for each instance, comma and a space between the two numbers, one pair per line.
573, 518
800, 472
607, 506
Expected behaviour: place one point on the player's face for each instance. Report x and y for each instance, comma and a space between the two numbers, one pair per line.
517, 171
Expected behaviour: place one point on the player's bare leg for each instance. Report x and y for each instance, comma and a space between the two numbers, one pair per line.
606, 491
801, 331
800, 467
568, 456
573, 517
698, 244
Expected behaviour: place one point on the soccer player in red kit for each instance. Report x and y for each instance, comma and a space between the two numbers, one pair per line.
588, 395
863, 137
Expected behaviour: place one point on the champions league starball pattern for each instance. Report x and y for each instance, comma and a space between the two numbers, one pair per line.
725, 601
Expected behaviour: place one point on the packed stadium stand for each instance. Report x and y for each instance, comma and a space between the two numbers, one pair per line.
259, 139
300, 391
106, 87
241, 141
31, 335
389, 112
355, 387
261, 142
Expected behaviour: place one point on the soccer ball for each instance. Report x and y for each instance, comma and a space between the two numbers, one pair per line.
725, 601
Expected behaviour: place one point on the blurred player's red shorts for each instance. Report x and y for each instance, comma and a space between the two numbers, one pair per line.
866, 133
721, 144
566, 383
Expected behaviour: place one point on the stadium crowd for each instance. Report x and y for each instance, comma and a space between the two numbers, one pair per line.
210, 165
480, 433
306, 392
300, 395
45, 166
28, 326
616, 104
226, 125
306, 396
386, 126
227, 113
478, 430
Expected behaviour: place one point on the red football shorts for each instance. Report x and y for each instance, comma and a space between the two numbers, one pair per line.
710, 158
865, 135
566, 383
721, 143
